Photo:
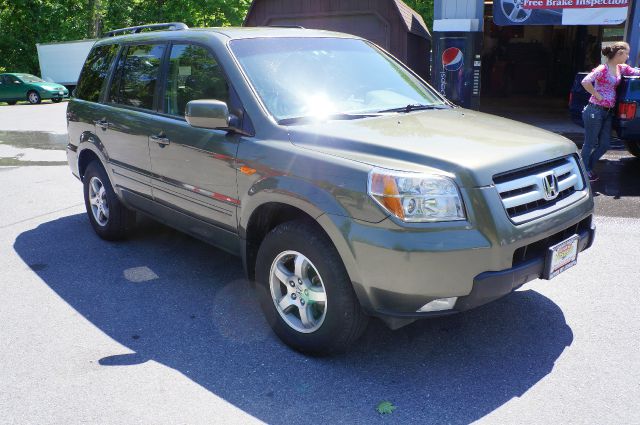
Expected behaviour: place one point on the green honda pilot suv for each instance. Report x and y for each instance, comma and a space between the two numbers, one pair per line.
347, 185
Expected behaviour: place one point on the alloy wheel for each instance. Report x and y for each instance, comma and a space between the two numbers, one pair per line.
34, 97
98, 201
297, 292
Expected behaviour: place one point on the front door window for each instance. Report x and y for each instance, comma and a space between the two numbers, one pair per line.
193, 74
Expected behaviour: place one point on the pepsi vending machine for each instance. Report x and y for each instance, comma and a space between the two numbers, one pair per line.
456, 67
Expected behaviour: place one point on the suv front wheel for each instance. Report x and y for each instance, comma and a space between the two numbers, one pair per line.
305, 291
109, 218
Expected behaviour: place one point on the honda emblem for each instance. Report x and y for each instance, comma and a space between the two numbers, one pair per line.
550, 186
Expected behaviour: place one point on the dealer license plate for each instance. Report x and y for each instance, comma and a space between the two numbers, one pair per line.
561, 257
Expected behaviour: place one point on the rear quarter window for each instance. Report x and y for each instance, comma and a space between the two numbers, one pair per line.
95, 72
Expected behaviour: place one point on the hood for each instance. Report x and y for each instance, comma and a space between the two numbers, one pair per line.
50, 86
470, 145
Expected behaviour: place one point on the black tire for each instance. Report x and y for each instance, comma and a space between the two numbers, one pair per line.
343, 321
119, 219
33, 97
56, 100
12, 102
633, 146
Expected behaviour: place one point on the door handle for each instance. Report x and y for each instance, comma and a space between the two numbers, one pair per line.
104, 124
160, 139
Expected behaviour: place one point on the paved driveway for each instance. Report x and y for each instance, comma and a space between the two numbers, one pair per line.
164, 329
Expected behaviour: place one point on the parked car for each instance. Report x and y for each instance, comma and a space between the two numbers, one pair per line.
349, 186
626, 121
16, 87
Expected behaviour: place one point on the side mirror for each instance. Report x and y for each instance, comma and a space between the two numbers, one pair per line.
212, 114
17, 82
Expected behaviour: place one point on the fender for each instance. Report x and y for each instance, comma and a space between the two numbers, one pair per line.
91, 142
286, 190
319, 204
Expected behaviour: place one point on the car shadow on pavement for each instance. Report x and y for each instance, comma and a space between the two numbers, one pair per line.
177, 301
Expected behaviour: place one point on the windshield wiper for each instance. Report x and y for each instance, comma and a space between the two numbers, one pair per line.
339, 116
414, 107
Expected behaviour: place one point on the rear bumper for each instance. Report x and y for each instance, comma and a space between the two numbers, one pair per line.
72, 159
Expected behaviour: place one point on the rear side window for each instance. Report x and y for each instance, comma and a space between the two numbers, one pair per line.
193, 74
95, 71
136, 76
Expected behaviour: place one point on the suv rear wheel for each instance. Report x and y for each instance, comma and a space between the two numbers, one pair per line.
633, 146
305, 291
109, 218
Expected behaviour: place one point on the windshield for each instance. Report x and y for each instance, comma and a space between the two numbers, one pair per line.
28, 78
321, 77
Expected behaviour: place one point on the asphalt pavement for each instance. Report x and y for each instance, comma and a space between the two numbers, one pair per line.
164, 329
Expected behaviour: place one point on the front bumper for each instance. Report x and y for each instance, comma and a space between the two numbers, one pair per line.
396, 269
54, 95
490, 286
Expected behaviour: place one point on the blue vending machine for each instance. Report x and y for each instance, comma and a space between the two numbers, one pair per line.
456, 66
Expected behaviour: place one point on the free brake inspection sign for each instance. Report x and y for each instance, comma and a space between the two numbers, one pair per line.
559, 12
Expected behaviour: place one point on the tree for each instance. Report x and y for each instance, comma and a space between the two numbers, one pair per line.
424, 8
27, 22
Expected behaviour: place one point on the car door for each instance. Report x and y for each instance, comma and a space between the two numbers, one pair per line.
4, 90
194, 168
127, 118
15, 89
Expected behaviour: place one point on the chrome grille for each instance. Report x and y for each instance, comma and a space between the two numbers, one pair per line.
541, 189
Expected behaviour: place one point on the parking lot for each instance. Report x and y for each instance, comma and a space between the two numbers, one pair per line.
163, 328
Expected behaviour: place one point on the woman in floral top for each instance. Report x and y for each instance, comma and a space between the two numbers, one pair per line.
601, 83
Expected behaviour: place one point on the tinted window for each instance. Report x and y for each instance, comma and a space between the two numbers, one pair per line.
193, 74
10, 79
28, 78
95, 71
136, 76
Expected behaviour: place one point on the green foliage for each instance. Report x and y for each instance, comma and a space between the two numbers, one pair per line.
424, 8
385, 407
27, 22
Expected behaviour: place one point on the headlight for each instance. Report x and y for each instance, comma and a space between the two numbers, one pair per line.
415, 197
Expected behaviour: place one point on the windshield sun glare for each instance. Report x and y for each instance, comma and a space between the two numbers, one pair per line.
320, 77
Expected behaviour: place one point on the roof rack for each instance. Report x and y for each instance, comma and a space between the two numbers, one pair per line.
287, 26
171, 26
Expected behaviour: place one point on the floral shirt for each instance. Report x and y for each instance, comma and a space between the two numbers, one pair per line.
606, 84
